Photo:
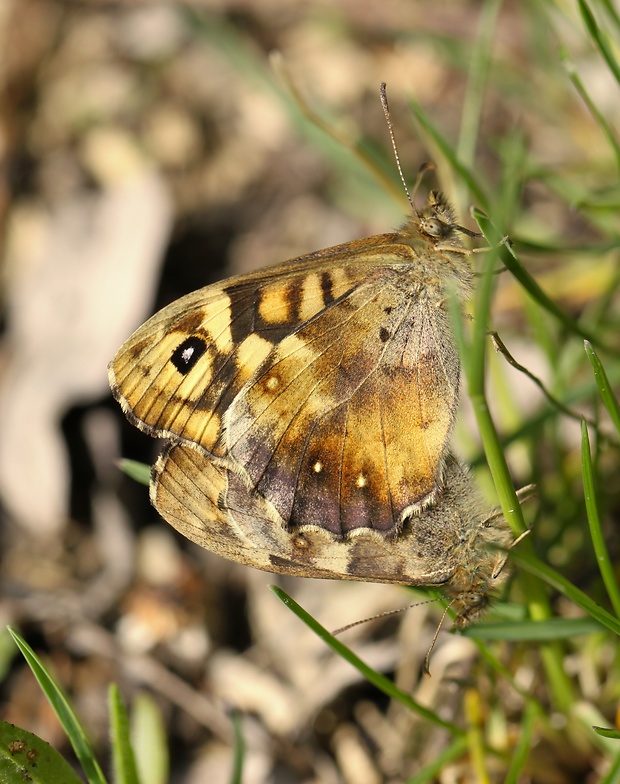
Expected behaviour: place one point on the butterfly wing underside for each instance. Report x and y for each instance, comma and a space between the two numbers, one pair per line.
209, 504
345, 423
308, 409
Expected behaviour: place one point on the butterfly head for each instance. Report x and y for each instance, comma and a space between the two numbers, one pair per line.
482, 572
437, 221
471, 605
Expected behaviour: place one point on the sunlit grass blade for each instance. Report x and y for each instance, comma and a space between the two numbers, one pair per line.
473, 357
474, 366
607, 733
149, 740
7, 653
594, 521
67, 718
477, 78
372, 676
515, 169
475, 741
599, 39
123, 761
604, 387
612, 12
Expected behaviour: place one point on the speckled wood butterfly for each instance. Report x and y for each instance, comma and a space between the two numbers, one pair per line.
308, 408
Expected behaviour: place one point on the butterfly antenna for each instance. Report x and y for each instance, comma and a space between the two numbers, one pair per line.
501, 565
427, 658
385, 614
425, 166
524, 494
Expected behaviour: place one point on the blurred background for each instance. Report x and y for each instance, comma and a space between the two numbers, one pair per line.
152, 148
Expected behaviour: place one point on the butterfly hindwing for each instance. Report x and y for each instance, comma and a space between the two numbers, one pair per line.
208, 502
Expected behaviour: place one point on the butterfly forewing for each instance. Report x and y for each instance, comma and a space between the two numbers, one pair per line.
179, 372
346, 422
331, 380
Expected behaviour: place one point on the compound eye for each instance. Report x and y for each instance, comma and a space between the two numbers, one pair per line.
433, 227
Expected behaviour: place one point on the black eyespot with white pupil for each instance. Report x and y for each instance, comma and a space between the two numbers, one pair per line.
185, 356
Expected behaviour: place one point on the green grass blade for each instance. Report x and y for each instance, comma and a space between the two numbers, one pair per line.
607, 733
453, 751
138, 471
123, 762
236, 777
604, 387
448, 153
67, 718
524, 745
474, 367
372, 676
566, 588
534, 631
515, 168
512, 263
26, 757
149, 740
475, 740
599, 39
473, 357
7, 653
478, 73
599, 118
611, 10
594, 521
503, 671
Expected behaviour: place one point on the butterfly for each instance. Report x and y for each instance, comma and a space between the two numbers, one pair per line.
308, 408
